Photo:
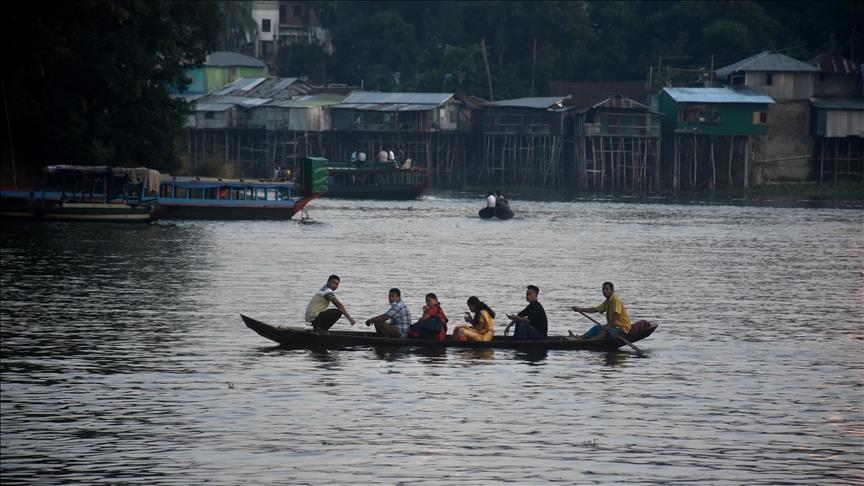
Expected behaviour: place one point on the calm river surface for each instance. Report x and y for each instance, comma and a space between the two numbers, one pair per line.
124, 359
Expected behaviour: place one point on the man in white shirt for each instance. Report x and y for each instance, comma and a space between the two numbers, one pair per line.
317, 312
490, 200
382, 156
361, 156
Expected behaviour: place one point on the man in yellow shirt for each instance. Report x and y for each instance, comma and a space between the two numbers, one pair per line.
617, 318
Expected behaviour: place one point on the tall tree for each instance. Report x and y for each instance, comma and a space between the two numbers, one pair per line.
89, 81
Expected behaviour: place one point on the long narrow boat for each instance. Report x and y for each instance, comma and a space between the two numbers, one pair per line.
297, 337
86, 194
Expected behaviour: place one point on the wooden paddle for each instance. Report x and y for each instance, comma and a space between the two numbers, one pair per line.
638, 351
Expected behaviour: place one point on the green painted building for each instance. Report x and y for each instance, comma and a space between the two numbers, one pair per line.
713, 111
710, 136
222, 68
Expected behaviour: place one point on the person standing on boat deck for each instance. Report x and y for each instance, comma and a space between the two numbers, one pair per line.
317, 312
531, 323
617, 318
354, 157
432, 324
482, 324
361, 157
398, 315
382, 156
490, 200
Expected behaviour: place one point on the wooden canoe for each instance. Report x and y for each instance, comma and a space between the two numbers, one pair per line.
299, 337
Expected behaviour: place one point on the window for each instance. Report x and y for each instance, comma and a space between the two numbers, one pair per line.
760, 117
699, 114
737, 79
283, 14
298, 11
769, 79
265, 25
209, 115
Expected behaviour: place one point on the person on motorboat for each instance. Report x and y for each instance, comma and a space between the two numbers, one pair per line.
490, 200
531, 322
482, 324
398, 315
432, 324
317, 312
617, 318
500, 202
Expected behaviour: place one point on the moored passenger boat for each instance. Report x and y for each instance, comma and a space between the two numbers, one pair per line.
373, 180
234, 199
86, 194
300, 337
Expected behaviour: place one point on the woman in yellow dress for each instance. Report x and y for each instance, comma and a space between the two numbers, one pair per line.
482, 324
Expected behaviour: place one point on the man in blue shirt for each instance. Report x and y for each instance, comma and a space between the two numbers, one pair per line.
398, 315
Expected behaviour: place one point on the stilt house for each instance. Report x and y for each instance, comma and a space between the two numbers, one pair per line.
431, 129
523, 142
710, 135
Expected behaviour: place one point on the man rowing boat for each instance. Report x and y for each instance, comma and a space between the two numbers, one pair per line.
617, 318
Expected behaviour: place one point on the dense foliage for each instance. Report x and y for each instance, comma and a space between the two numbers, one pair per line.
438, 46
88, 82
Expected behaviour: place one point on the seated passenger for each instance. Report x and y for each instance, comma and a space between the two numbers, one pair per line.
433, 323
398, 315
531, 323
482, 324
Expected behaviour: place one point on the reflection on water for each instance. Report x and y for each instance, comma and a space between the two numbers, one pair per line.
124, 359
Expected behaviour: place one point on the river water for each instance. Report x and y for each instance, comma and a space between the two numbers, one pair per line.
124, 359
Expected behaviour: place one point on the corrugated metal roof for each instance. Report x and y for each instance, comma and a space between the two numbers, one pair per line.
716, 95
311, 101
226, 58
364, 97
828, 63
213, 107
585, 95
272, 88
548, 103
385, 107
839, 104
236, 100
242, 84
767, 61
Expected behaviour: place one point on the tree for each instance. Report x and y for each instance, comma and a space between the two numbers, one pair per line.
89, 81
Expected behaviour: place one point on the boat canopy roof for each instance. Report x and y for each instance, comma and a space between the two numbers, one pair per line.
149, 177
189, 182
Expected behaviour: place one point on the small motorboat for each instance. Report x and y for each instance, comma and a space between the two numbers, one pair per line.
500, 212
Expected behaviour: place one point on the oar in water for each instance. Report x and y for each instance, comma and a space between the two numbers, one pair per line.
638, 351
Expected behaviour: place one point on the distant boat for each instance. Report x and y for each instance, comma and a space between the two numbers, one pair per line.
86, 194
500, 212
235, 199
373, 180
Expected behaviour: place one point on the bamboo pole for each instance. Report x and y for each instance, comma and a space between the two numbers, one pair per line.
747, 164
676, 162
713, 167
695, 167
731, 152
